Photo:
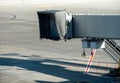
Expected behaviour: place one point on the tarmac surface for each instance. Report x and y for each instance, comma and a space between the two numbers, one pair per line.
24, 58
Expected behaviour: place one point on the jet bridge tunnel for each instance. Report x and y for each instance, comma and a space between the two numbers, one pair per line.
57, 24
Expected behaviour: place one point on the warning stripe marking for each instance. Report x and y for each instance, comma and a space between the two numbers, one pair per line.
90, 61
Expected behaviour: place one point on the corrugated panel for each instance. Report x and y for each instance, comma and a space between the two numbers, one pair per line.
98, 26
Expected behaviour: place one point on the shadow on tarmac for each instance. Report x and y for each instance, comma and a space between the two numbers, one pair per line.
55, 70
64, 82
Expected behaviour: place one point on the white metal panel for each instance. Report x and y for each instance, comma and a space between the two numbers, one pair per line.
60, 18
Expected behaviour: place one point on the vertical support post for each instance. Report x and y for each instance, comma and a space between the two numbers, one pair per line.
83, 54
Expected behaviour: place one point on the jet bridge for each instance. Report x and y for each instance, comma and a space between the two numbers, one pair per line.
57, 24
93, 29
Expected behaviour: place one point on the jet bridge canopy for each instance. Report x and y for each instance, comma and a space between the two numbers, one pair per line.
52, 24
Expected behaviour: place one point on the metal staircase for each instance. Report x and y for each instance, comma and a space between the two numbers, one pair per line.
113, 49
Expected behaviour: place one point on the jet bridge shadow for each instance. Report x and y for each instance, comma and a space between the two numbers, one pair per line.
54, 70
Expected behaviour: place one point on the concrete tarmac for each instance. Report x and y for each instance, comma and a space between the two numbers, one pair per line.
24, 58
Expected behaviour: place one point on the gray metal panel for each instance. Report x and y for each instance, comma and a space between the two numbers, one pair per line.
98, 26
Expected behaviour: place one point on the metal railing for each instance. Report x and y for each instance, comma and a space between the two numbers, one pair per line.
113, 49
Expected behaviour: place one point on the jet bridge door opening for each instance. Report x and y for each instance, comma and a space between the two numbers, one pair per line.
47, 26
